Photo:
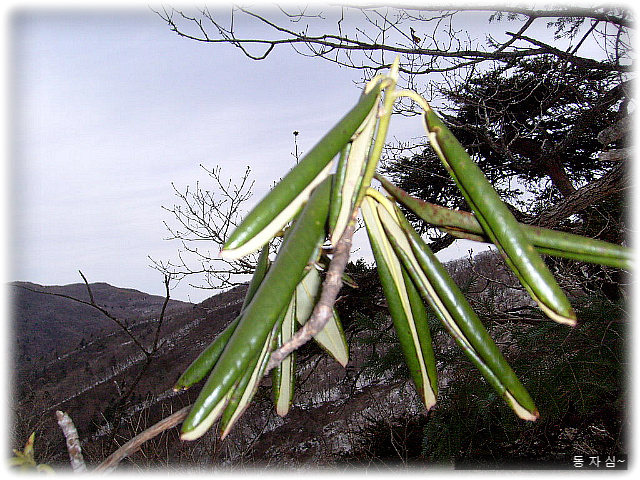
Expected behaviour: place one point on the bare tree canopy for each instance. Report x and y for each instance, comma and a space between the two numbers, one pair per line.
429, 38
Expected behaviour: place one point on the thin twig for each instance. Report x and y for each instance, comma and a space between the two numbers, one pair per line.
113, 460
150, 356
93, 302
167, 280
149, 353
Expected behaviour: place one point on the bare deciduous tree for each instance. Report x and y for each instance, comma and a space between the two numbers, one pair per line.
205, 217
149, 351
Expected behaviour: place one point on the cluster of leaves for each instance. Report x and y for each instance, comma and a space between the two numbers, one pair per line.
578, 379
25, 460
309, 205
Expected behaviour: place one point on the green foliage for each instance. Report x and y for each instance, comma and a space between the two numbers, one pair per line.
25, 460
587, 365
577, 378
390, 442
532, 121
384, 358
531, 106
366, 300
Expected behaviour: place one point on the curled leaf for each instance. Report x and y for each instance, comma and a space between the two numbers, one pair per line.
409, 316
353, 175
283, 376
451, 307
498, 223
331, 338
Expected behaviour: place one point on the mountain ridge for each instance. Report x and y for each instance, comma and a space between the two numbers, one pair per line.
69, 356
49, 322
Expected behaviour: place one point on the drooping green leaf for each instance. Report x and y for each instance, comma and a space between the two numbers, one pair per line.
409, 320
353, 175
246, 388
498, 223
546, 240
277, 208
203, 364
451, 307
283, 376
337, 186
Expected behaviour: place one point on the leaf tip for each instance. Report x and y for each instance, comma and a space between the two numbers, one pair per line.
568, 317
429, 399
531, 414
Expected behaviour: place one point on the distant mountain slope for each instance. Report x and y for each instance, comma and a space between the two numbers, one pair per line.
46, 325
69, 356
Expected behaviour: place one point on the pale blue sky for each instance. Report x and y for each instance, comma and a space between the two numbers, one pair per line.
109, 108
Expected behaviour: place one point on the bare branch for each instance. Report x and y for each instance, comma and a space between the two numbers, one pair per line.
149, 353
92, 304
581, 61
617, 155
156, 339
608, 184
440, 50
592, 13
615, 132
113, 460
208, 216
